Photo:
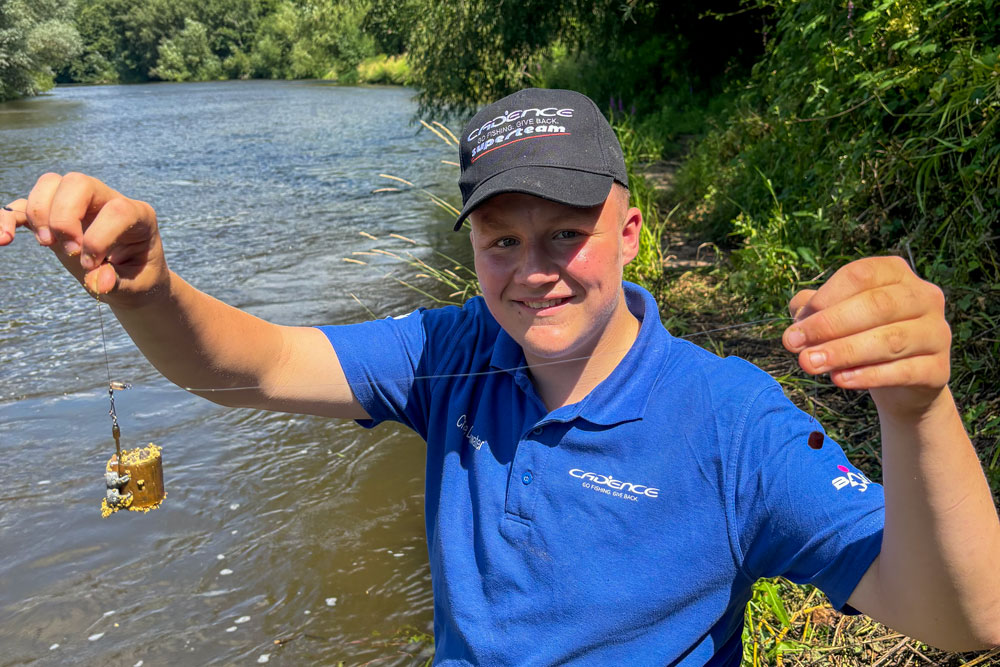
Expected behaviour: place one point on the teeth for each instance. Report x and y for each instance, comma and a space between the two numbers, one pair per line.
542, 304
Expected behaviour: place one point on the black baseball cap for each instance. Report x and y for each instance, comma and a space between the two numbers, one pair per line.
554, 144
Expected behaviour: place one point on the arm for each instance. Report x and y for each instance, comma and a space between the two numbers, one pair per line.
876, 326
111, 244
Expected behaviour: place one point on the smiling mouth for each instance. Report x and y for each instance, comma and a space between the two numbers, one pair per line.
547, 303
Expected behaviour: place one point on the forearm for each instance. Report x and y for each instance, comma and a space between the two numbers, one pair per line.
937, 567
199, 342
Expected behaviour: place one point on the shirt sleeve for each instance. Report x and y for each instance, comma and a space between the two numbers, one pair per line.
802, 513
383, 360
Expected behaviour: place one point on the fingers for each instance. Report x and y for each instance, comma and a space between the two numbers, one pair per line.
12, 216
913, 373
77, 200
121, 225
857, 277
39, 203
860, 312
875, 324
117, 246
105, 240
882, 344
59, 208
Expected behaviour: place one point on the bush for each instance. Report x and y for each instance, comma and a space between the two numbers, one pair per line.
867, 132
385, 69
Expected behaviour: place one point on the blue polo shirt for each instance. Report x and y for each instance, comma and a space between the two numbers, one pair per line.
627, 527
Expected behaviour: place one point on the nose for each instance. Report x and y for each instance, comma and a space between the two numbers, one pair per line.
537, 266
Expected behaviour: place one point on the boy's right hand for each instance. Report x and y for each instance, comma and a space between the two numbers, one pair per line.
108, 242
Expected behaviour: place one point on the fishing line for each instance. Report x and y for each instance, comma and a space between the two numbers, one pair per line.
115, 430
496, 371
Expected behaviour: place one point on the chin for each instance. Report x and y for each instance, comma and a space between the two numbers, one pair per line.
549, 346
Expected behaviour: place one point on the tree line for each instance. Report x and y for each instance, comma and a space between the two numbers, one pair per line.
456, 54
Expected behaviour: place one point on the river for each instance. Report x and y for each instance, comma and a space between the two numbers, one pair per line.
279, 528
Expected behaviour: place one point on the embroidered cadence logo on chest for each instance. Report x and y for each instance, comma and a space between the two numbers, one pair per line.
615, 488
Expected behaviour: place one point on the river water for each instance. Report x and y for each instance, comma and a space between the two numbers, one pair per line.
300, 530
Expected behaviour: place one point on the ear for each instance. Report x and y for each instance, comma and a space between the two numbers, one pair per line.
630, 234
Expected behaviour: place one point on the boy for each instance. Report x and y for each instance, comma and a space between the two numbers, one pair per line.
597, 491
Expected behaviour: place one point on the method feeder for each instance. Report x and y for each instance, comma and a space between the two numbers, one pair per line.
134, 480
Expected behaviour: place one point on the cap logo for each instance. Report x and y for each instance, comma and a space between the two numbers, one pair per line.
531, 131
511, 116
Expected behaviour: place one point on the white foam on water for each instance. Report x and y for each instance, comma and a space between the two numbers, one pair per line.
225, 572
264, 658
242, 619
95, 637
231, 628
331, 601
54, 647
213, 594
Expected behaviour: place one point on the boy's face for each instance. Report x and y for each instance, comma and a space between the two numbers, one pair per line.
551, 274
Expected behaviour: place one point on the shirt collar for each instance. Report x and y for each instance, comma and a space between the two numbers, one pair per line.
623, 395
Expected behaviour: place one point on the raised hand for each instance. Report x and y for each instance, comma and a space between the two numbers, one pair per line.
109, 243
875, 325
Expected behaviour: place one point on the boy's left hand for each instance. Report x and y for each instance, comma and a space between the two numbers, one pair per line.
875, 325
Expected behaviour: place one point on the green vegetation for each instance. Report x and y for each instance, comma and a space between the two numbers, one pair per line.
868, 131
37, 37
125, 41
807, 132
385, 69
652, 56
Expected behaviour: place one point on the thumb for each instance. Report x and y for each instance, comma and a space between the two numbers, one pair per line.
101, 280
799, 307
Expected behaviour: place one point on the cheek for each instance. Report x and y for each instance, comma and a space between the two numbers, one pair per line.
488, 274
590, 264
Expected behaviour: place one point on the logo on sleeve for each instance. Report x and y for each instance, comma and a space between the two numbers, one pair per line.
853, 479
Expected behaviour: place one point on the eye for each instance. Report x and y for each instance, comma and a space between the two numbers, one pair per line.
506, 242
566, 234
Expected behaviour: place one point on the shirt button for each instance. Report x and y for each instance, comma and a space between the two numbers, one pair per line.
526, 477
536, 431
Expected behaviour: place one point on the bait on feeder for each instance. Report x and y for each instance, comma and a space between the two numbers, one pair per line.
134, 479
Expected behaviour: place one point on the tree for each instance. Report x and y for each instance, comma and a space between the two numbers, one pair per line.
36, 39
187, 56
634, 49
